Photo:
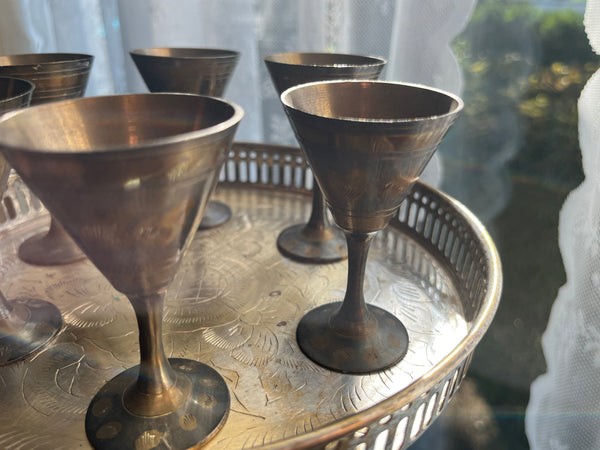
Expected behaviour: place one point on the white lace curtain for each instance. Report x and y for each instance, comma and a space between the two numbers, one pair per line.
564, 408
413, 36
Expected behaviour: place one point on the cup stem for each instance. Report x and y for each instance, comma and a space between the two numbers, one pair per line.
158, 390
156, 375
351, 336
315, 241
12, 319
316, 224
5, 307
169, 403
353, 317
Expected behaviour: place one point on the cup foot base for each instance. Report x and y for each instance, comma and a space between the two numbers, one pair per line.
43, 323
384, 347
294, 244
216, 214
109, 425
48, 250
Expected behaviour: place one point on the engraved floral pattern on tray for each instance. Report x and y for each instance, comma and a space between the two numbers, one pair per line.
235, 304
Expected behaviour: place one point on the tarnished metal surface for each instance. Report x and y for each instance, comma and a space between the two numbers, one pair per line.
367, 142
130, 187
56, 76
26, 324
204, 71
317, 241
235, 304
14, 93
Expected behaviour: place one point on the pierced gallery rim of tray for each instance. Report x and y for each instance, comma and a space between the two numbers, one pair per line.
235, 304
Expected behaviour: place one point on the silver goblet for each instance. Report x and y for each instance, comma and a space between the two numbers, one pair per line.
57, 76
26, 324
317, 241
367, 142
129, 176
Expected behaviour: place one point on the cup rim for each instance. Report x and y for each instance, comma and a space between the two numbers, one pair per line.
211, 53
369, 61
43, 59
356, 120
236, 116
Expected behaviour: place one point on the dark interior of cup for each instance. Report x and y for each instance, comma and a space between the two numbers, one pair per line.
14, 93
370, 101
111, 122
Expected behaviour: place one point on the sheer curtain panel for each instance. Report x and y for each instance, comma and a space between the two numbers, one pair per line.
414, 37
564, 411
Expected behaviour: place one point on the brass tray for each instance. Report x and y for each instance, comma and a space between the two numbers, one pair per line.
235, 304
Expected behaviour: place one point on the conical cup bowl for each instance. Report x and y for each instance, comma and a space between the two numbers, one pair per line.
57, 76
366, 142
127, 176
291, 69
203, 71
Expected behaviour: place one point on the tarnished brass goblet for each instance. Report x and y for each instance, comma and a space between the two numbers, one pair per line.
26, 324
366, 142
129, 177
317, 241
204, 71
57, 76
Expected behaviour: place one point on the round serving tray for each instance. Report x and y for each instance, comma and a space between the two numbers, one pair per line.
235, 304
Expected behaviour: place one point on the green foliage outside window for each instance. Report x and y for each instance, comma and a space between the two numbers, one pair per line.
530, 64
